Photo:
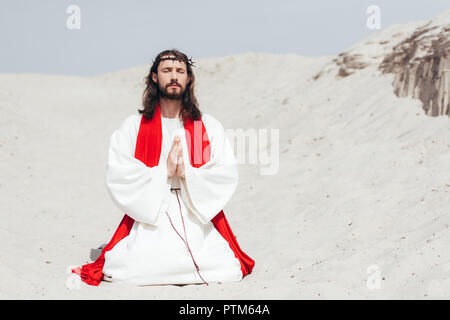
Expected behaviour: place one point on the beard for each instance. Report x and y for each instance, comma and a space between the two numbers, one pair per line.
167, 92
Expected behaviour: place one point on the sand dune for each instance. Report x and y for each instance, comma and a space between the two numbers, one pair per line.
362, 189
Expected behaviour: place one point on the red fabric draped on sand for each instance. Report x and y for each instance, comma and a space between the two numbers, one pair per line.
148, 150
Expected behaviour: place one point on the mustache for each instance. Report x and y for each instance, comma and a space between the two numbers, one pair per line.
174, 83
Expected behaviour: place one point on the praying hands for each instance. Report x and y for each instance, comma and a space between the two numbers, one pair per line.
175, 164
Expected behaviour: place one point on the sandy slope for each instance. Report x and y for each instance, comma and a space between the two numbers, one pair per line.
364, 180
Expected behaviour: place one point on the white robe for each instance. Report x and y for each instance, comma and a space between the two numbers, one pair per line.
152, 253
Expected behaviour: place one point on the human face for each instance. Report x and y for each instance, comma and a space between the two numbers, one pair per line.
172, 78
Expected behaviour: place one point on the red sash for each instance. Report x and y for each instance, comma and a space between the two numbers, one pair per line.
148, 150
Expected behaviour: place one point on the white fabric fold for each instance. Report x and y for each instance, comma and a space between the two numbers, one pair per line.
207, 189
139, 191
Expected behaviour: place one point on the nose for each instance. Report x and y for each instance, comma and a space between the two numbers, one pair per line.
174, 76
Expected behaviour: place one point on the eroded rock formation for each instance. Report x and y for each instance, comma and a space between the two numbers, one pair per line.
421, 64
418, 54
349, 63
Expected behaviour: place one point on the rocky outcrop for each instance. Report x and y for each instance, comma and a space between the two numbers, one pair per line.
349, 63
418, 54
421, 64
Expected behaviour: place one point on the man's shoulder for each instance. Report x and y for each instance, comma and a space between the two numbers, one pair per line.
211, 121
130, 122
132, 118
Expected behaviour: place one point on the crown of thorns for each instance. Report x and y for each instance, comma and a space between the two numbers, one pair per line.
187, 61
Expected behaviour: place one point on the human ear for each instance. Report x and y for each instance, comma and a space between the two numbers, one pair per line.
154, 77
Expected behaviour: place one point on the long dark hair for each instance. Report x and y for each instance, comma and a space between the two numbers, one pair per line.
150, 97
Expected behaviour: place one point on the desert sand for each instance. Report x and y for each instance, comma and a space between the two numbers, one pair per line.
362, 189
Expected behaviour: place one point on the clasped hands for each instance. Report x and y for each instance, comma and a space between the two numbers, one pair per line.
175, 164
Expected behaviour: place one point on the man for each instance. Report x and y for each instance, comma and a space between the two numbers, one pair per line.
171, 169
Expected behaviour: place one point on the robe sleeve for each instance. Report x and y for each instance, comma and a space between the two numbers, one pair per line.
140, 191
207, 189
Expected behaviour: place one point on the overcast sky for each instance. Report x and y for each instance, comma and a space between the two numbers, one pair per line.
118, 34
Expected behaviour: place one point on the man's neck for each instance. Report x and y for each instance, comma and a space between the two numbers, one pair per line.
169, 108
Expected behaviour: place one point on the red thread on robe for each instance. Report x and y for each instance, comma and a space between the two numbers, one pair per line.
185, 240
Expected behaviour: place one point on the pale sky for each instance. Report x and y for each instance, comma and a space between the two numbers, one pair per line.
118, 34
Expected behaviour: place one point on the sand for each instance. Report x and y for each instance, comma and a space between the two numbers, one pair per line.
358, 209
